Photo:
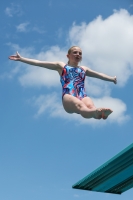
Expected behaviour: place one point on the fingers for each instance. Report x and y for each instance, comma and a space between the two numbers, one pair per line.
15, 57
11, 57
18, 54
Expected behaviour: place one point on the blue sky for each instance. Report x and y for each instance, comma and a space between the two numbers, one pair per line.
43, 150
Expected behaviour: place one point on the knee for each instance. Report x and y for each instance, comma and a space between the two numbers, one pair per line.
89, 103
91, 106
80, 106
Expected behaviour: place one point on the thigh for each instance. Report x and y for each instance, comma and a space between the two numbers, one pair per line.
88, 102
71, 104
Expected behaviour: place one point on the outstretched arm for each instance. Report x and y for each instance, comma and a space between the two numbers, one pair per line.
102, 76
58, 66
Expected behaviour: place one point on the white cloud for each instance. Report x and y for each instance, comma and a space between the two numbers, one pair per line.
97, 88
34, 76
14, 9
22, 27
107, 44
25, 27
44, 102
48, 103
59, 33
119, 108
8, 12
39, 30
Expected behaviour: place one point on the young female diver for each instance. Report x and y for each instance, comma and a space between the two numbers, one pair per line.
72, 76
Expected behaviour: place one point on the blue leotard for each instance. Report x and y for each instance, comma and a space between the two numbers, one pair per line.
72, 80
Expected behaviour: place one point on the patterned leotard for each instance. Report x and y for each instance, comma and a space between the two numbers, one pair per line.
72, 80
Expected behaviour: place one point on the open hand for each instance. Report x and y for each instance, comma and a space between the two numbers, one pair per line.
16, 57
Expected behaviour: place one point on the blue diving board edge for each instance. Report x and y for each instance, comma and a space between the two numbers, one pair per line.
115, 176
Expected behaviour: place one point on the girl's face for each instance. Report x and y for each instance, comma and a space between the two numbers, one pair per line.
75, 55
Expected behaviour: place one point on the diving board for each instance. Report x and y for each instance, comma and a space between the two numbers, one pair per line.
115, 176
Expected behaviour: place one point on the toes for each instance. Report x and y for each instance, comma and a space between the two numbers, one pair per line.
98, 114
106, 113
102, 113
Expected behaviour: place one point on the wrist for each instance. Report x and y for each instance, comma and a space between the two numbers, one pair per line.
21, 59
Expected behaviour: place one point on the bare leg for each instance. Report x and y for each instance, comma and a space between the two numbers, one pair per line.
74, 105
89, 103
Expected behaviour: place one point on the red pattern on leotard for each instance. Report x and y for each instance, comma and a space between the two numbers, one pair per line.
72, 80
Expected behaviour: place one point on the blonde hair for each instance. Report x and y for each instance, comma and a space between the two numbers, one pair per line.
69, 50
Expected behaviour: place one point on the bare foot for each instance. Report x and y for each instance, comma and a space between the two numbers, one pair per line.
98, 114
102, 113
106, 112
